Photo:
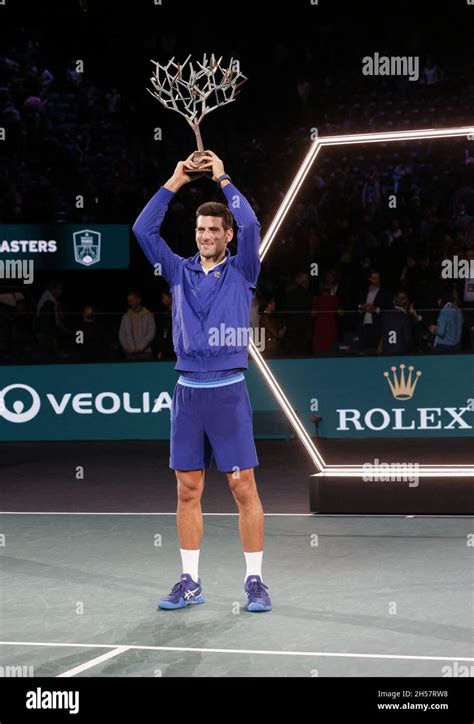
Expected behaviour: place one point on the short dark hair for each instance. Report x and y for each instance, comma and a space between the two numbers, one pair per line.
446, 296
214, 208
396, 297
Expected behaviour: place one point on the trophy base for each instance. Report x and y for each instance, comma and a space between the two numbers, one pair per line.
195, 173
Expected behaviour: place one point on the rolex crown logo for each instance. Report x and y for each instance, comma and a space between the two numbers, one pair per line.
402, 388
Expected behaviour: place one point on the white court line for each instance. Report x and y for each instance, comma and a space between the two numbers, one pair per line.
93, 662
243, 651
268, 515
9, 512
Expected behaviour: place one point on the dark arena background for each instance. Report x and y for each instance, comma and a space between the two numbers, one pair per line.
353, 141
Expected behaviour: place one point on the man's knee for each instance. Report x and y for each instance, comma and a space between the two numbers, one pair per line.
243, 485
190, 485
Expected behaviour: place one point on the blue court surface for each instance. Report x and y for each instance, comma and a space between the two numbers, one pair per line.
366, 596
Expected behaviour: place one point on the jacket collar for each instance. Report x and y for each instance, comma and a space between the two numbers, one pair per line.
194, 264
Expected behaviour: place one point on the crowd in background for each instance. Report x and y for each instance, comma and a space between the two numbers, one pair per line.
348, 268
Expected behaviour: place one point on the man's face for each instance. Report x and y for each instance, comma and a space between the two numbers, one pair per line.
374, 279
133, 302
211, 238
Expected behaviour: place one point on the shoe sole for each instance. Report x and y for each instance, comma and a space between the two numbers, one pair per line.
258, 608
167, 605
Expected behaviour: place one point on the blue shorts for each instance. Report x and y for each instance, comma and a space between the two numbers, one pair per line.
213, 421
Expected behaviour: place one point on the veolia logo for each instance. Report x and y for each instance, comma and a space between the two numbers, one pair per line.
81, 403
18, 412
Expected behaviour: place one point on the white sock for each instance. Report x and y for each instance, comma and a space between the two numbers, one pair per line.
190, 559
254, 564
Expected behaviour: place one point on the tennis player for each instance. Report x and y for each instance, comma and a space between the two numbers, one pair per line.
211, 415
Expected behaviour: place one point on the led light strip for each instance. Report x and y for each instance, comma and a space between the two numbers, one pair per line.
421, 472
340, 141
355, 471
287, 408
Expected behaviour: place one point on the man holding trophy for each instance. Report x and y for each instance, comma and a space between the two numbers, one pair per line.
212, 292
211, 412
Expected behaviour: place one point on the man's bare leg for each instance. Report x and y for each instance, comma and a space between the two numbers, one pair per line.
190, 485
190, 530
251, 526
251, 519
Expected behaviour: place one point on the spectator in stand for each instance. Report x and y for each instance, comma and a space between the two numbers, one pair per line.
448, 329
137, 329
325, 307
23, 336
48, 324
401, 326
163, 346
431, 73
73, 76
372, 301
45, 80
411, 276
393, 232
92, 348
254, 311
274, 329
461, 218
298, 305
112, 102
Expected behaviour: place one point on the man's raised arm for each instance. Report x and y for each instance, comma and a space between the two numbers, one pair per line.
248, 236
147, 226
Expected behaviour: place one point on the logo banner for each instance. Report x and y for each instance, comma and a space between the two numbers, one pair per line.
431, 396
67, 246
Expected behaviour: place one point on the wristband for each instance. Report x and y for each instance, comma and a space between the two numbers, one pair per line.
222, 178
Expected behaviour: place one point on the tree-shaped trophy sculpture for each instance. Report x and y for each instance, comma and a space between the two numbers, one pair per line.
198, 93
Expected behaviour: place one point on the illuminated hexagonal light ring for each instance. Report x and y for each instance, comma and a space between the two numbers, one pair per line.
325, 470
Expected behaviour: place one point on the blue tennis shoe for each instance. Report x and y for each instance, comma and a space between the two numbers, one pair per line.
185, 593
258, 598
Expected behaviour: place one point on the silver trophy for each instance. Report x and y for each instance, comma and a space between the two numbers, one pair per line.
194, 93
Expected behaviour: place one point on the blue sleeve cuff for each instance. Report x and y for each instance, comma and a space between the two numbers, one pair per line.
165, 193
